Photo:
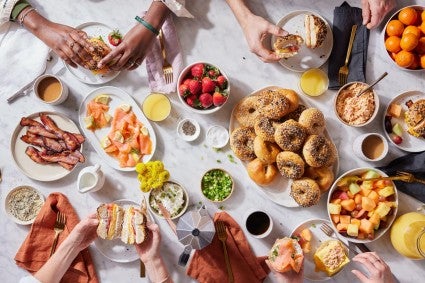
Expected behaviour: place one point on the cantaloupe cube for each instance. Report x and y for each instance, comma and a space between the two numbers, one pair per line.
395, 110
374, 196
358, 198
382, 209
379, 184
345, 219
355, 221
368, 204
336, 201
386, 191
342, 227
350, 194
335, 218
334, 208
348, 204
361, 236
366, 226
365, 191
306, 247
352, 230
306, 234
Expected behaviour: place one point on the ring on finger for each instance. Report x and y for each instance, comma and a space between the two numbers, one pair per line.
71, 45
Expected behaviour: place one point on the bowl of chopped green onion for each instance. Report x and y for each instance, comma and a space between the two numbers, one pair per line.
217, 185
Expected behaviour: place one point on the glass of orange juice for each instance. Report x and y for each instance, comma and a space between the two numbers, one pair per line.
314, 82
156, 107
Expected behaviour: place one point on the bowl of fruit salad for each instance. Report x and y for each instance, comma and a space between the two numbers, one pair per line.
203, 88
362, 205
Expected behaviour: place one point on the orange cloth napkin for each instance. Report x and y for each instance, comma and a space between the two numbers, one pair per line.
208, 264
35, 250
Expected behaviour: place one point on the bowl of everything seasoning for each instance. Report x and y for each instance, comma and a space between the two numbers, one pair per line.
23, 203
217, 185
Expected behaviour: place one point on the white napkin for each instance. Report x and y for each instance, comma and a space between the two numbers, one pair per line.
23, 58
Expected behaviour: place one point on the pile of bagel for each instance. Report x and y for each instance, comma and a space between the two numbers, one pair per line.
276, 134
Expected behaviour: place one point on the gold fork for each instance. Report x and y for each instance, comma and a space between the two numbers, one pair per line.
222, 236
167, 69
409, 177
343, 71
59, 227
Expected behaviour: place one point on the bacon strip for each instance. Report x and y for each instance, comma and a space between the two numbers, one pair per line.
30, 122
34, 154
41, 131
64, 157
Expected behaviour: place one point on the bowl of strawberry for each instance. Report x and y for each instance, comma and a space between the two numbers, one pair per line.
203, 88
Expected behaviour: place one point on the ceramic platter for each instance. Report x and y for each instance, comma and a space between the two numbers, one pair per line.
93, 29
36, 171
409, 143
278, 191
306, 58
116, 250
117, 98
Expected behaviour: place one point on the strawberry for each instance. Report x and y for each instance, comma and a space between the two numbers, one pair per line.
340, 194
195, 87
221, 82
184, 90
218, 98
192, 101
186, 81
197, 70
115, 37
206, 100
207, 85
213, 73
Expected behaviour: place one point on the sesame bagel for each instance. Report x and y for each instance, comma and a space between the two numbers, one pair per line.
290, 135
242, 143
318, 151
290, 164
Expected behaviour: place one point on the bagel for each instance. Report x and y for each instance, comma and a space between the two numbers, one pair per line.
313, 121
290, 135
261, 173
318, 151
287, 46
292, 96
266, 151
290, 164
242, 143
272, 104
246, 111
305, 192
315, 31
323, 176
264, 128
295, 115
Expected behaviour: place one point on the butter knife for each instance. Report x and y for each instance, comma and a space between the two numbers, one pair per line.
23, 91
167, 217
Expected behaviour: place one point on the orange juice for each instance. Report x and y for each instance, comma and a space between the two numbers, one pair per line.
156, 107
408, 235
314, 82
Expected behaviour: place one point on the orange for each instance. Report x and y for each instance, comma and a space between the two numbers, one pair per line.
422, 61
412, 29
423, 16
422, 27
404, 58
416, 62
409, 41
408, 16
392, 44
395, 27
420, 48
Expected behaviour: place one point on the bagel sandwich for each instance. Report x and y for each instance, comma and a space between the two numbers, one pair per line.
285, 255
101, 49
330, 257
134, 226
415, 118
287, 46
315, 31
110, 221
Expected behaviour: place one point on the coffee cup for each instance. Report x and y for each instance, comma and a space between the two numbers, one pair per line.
50, 89
370, 147
258, 223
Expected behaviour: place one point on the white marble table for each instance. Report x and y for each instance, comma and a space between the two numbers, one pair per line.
213, 36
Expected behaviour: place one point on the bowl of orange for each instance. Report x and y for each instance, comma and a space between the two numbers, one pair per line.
404, 38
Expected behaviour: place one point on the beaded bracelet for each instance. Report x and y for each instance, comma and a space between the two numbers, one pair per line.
21, 21
147, 25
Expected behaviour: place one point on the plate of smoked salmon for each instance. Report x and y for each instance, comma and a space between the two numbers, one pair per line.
116, 128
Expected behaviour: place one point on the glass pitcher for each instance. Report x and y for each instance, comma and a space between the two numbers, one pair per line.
408, 235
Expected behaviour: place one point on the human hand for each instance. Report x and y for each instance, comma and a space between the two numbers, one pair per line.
374, 11
287, 277
131, 52
256, 29
379, 271
149, 249
84, 232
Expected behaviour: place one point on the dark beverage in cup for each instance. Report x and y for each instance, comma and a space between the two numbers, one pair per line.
258, 223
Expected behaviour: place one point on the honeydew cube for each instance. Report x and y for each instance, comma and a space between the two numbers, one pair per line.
368, 204
382, 209
366, 226
354, 188
355, 221
387, 191
391, 203
342, 227
352, 230
375, 218
370, 174
370, 213
366, 185
334, 208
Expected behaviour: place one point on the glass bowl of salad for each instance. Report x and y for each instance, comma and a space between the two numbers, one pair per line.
173, 197
217, 185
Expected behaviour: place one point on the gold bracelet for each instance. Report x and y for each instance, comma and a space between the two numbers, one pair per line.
21, 21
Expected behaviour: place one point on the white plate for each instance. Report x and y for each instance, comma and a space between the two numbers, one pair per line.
306, 58
410, 143
117, 97
36, 171
116, 250
278, 191
93, 29
317, 238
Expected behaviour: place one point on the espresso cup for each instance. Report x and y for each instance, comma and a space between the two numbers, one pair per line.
258, 223
370, 147
50, 89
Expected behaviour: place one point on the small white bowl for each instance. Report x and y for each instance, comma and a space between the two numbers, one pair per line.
217, 136
50, 89
185, 136
184, 206
19, 197
361, 86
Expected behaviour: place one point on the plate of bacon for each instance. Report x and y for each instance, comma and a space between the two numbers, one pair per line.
46, 146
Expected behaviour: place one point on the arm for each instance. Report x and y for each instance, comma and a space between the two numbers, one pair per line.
379, 271
79, 238
68, 43
136, 43
150, 255
255, 29
374, 11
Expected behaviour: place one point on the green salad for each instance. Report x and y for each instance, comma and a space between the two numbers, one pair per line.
216, 185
